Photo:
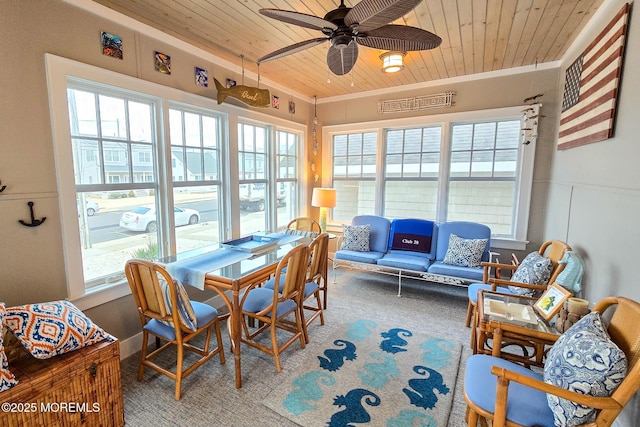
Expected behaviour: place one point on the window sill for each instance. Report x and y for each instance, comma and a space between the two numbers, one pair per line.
511, 244
101, 295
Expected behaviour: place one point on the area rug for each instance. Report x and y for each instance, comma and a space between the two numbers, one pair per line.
372, 374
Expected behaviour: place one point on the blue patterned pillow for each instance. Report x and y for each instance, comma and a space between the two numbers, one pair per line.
534, 270
185, 309
7, 379
52, 328
584, 360
464, 252
356, 237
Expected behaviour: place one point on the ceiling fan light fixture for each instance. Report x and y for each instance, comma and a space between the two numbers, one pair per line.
392, 61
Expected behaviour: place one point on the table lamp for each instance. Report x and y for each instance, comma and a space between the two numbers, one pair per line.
323, 198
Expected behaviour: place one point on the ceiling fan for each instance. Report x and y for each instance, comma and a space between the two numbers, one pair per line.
366, 24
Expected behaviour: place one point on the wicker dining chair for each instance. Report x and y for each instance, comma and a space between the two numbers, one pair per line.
509, 394
156, 293
315, 283
303, 223
271, 309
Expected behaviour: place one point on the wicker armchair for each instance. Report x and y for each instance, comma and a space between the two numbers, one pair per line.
552, 249
512, 395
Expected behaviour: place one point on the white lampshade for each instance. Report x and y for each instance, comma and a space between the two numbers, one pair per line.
324, 198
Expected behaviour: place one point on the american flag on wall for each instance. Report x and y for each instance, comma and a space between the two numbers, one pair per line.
591, 87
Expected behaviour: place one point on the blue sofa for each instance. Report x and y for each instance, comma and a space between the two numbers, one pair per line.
415, 248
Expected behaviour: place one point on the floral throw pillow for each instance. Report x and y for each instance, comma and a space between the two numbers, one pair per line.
464, 252
534, 270
52, 328
7, 379
356, 237
584, 360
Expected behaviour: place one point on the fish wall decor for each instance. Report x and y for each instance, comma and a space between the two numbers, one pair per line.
252, 96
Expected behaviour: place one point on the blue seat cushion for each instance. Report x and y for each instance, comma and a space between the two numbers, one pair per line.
204, 314
355, 256
525, 406
475, 287
378, 231
261, 298
405, 262
309, 287
469, 273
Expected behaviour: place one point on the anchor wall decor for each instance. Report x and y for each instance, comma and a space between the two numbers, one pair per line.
34, 222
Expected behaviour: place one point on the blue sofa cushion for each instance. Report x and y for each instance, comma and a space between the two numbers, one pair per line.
378, 231
525, 406
413, 235
405, 262
464, 229
355, 256
356, 237
469, 273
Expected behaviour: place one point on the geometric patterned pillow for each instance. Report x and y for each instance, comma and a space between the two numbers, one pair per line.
185, 309
52, 328
356, 237
533, 270
7, 380
464, 252
584, 360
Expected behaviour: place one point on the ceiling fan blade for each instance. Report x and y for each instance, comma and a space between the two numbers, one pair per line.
294, 48
400, 38
342, 60
300, 19
371, 14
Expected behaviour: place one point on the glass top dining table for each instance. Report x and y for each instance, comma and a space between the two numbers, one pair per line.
227, 271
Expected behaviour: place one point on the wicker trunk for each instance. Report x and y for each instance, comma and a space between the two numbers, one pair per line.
81, 388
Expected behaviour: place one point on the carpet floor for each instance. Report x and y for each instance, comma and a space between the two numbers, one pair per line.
209, 396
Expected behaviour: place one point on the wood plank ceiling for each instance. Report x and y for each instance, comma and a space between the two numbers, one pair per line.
477, 36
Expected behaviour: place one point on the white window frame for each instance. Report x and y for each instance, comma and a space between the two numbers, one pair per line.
524, 178
58, 69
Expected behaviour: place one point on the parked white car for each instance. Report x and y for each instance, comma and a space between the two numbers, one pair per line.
92, 207
143, 218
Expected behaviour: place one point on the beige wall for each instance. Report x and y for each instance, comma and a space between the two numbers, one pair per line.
31, 259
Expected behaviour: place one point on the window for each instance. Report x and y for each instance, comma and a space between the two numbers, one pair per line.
354, 174
253, 167
454, 167
412, 168
483, 173
286, 177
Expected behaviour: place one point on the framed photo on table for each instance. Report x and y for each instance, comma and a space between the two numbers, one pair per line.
551, 301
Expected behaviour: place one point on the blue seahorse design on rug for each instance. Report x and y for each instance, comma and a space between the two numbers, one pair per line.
306, 388
354, 411
436, 354
360, 330
409, 417
335, 357
393, 343
376, 375
424, 396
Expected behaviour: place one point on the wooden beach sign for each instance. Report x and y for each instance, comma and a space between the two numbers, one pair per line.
252, 96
